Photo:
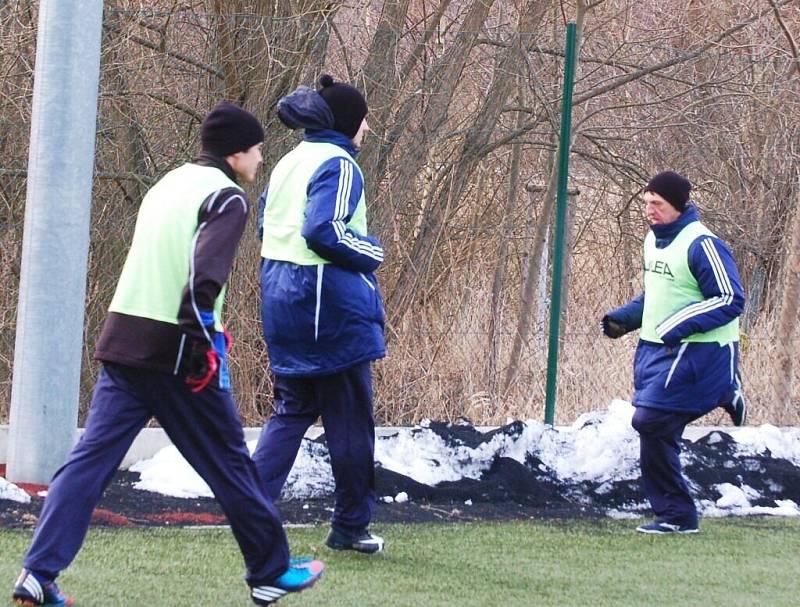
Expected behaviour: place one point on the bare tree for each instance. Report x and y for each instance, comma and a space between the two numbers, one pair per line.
463, 99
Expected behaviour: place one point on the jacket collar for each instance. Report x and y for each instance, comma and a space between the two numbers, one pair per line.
666, 233
204, 159
331, 136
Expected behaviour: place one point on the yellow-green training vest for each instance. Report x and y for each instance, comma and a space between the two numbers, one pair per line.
670, 286
284, 212
157, 267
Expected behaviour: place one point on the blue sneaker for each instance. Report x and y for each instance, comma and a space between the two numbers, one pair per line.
360, 542
662, 528
31, 591
301, 574
737, 408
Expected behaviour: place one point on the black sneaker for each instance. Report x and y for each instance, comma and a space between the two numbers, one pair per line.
360, 542
737, 408
31, 591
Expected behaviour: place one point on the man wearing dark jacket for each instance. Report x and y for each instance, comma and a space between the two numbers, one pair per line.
688, 354
321, 307
163, 350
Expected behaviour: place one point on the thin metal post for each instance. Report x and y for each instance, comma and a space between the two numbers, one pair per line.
561, 225
47, 351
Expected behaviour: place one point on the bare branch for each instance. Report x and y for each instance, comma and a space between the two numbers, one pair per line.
682, 58
788, 34
171, 101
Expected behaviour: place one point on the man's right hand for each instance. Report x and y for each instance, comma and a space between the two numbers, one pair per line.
202, 365
611, 328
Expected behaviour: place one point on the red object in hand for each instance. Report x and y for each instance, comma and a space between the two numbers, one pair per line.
197, 381
228, 339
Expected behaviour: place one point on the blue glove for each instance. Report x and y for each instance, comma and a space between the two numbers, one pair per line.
206, 359
222, 345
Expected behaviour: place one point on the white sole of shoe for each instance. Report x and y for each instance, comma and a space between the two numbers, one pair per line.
659, 532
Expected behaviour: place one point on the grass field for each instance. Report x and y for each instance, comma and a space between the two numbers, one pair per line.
742, 561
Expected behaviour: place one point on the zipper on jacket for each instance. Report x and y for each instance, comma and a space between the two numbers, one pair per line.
180, 354
675, 363
320, 270
366, 280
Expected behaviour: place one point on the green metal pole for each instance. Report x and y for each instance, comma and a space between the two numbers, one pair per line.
561, 225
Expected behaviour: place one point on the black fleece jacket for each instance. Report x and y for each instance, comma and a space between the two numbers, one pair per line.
151, 344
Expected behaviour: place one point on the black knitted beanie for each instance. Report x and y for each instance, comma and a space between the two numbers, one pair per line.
228, 129
672, 187
348, 105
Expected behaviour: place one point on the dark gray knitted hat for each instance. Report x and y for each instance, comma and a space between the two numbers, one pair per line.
228, 129
672, 187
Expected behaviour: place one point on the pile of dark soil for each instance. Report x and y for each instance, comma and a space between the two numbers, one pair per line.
507, 490
124, 506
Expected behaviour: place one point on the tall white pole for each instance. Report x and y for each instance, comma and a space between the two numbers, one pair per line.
47, 353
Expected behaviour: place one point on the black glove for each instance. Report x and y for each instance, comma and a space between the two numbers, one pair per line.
201, 364
611, 328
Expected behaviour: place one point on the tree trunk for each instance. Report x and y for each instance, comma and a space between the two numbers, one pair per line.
379, 147
438, 91
416, 269
507, 226
783, 372
531, 271
530, 277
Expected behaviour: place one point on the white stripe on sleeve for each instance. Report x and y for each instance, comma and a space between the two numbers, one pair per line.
231, 199
192, 251
723, 281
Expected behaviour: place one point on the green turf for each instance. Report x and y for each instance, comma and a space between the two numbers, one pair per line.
741, 561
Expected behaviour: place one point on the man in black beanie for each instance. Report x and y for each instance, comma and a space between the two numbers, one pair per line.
672, 187
688, 353
321, 306
163, 349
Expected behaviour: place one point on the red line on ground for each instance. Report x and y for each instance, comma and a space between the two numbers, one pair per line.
107, 517
30, 488
200, 518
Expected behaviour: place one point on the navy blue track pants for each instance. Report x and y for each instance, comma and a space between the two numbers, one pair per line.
206, 429
344, 402
660, 459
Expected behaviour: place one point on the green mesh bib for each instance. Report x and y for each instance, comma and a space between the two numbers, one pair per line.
284, 212
157, 267
669, 286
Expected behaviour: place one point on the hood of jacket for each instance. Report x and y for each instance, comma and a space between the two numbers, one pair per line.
304, 108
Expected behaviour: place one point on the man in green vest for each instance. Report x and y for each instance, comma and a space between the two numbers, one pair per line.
321, 306
163, 350
687, 359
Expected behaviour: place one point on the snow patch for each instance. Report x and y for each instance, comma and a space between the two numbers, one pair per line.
594, 463
757, 440
9, 491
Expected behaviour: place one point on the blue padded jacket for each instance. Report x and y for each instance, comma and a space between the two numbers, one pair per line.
323, 319
689, 377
